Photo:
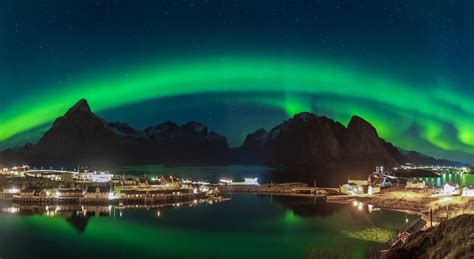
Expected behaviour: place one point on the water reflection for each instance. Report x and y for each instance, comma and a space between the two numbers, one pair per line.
79, 215
452, 178
248, 226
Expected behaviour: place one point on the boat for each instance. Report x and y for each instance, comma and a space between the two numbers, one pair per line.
247, 181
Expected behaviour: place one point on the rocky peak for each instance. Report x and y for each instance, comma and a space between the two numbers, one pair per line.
80, 106
255, 141
360, 125
362, 136
304, 116
165, 127
122, 127
77, 136
194, 126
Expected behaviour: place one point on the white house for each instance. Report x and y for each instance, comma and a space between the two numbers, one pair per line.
468, 192
416, 184
373, 190
450, 189
98, 177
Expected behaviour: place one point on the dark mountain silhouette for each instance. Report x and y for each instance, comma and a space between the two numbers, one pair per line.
16, 156
252, 150
81, 137
170, 143
305, 141
420, 159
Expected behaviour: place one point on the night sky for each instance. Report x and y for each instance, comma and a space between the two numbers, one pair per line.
405, 66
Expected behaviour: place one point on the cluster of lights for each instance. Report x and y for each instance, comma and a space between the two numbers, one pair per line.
358, 204
98, 177
187, 181
226, 181
446, 199
12, 190
112, 196
11, 210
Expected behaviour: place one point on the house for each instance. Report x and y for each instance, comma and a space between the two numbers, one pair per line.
99, 192
150, 193
451, 189
98, 177
69, 193
129, 180
359, 181
373, 189
47, 193
467, 192
386, 183
27, 193
8, 193
142, 181
352, 189
415, 184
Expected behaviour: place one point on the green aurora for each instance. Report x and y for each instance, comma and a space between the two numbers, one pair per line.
352, 91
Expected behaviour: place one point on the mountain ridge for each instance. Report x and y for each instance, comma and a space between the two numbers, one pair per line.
80, 136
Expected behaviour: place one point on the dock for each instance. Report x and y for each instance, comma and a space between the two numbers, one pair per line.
282, 189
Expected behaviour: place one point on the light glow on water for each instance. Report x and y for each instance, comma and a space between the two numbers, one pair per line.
245, 226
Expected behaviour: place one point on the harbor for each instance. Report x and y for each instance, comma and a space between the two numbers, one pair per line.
87, 195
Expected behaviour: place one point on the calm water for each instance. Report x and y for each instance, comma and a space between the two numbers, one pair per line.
246, 226
461, 179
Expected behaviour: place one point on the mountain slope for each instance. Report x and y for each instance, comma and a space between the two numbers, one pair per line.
310, 140
453, 238
306, 140
79, 136
416, 158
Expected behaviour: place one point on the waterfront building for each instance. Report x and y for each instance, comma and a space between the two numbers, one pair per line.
26, 193
416, 184
373, 189
451, 189
47, 193
16, 170
143, 181
69, 193
10, 192
98, 193
247, 181
468, 192
51, 174
386, 182
153, 194
128, 180
360, 181
61, 193
352, 189
97, 177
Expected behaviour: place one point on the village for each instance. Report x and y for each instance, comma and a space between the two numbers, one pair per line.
20, 184
381, 189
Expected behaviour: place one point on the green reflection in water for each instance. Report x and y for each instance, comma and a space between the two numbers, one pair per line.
247, 226
455, 178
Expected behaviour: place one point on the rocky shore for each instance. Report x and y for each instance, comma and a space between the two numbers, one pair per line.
453, 238
418, 202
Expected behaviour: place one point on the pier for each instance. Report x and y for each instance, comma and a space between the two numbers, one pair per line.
281, 189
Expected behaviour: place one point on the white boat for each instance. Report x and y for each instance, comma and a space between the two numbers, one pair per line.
247, 181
